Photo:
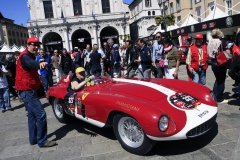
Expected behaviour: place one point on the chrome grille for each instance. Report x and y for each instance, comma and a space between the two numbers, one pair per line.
201, 129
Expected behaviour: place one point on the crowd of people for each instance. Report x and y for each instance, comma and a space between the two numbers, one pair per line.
34, 67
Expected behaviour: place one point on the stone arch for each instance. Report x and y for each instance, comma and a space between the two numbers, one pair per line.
109, 32
52, 41
80, 38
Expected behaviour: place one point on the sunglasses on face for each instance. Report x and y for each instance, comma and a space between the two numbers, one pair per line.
158, 37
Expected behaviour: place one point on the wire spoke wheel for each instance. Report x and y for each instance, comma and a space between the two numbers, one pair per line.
130, 132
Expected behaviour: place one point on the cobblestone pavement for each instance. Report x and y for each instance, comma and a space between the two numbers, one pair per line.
79, 140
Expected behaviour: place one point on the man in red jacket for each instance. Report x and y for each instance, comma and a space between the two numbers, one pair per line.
197, 60
27, 81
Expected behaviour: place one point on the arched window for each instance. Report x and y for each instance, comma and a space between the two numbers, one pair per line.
149, 13
153, 13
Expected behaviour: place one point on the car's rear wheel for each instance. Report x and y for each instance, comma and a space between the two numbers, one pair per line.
59, 112
131, 135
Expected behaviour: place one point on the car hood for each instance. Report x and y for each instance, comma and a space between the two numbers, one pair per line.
143, 89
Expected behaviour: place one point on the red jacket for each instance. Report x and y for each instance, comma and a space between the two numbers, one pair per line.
195, 57
26, 80
235, 52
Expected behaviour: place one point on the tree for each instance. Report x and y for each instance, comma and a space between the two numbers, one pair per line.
170, 20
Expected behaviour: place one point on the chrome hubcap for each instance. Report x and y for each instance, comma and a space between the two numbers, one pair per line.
58, 109
130, 132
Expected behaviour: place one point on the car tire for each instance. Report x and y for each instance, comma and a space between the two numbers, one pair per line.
59, 112
132, 139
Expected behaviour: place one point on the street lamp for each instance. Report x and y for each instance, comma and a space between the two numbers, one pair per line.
163, 8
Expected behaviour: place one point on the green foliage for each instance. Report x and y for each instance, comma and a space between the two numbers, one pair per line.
170, 19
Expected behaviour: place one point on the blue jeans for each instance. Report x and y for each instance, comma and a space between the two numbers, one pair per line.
37, 119
219, 85
47, 81
199, 76
5, 98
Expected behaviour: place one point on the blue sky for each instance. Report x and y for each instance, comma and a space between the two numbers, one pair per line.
17, 10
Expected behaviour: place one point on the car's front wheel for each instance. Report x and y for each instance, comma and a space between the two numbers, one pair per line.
130, 135
59, 112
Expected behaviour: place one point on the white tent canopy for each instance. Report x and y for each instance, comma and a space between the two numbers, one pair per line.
169, 28
21, 49
189, 21
5, 48
15, 48
159, 29
215, 13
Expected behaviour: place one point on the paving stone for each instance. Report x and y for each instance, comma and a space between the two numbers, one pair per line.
62, 154
73, 142
224, 150
237, 150
222, 126
219, 139
84, 158
232, 134
212, 155
36, 149
14, 151
122, 155
99, 139
180, 157
26, 157
96, 149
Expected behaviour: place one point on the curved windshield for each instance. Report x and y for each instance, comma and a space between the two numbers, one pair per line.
96, 81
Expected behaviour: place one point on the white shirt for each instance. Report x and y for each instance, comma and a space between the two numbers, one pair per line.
3, 79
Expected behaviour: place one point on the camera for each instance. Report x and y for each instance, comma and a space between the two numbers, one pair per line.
175, 77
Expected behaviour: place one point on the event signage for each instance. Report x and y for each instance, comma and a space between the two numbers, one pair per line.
225, 22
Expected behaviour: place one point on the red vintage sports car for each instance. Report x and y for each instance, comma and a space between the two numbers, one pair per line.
141, 112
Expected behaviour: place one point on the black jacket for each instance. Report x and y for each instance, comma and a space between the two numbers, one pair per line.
234, 70
146, 58
131, 53
66, 63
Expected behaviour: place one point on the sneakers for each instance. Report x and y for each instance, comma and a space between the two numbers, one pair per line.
235, 95
50, 144
3, 111
224, 101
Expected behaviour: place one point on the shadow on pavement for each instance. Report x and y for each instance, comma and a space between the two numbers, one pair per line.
165, 148
82, 127
19, 106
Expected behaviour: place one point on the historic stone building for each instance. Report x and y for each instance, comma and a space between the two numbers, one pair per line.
11, 33
75, 23
142, 13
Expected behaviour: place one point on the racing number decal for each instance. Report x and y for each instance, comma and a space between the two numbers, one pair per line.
84, 95
184, 101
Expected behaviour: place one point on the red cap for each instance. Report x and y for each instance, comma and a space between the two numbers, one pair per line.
198, 36
33, 40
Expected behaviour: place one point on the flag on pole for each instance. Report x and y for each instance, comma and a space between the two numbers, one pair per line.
62, 16
76, 14
80, 39
92, 13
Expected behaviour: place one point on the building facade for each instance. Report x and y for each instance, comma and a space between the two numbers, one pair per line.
11, 33
200, 9
75, 23
142, 13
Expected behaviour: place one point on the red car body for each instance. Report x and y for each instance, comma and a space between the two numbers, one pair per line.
185, 109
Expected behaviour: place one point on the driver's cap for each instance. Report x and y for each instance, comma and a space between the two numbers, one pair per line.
79, 69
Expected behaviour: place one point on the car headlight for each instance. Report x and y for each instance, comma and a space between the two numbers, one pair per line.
213, 96
163, 123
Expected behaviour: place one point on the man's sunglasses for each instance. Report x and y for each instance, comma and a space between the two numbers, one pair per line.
35, 45
158, 37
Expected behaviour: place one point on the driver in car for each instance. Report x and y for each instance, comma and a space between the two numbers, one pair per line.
80, 80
